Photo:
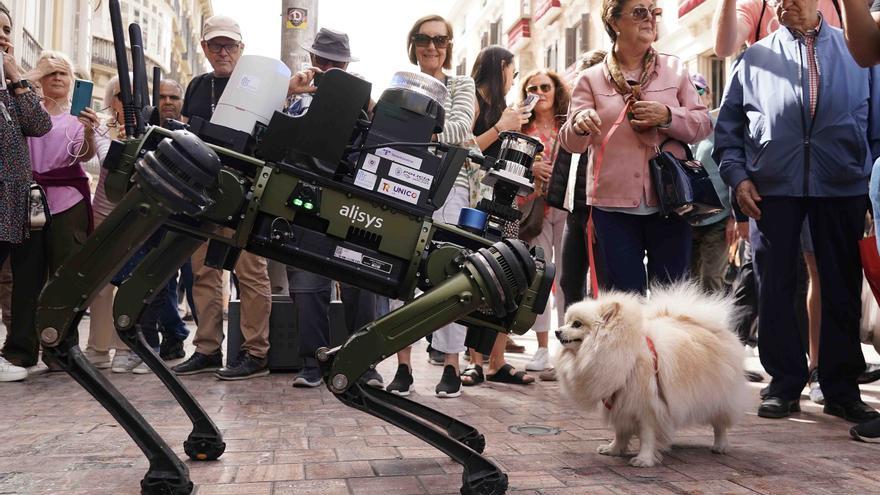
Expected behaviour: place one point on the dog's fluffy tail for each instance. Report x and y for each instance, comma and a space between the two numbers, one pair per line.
687, 302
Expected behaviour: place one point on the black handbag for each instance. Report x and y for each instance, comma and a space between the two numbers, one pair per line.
683, 186
38, 215
559, 177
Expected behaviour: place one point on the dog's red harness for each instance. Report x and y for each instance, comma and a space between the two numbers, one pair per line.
610, 401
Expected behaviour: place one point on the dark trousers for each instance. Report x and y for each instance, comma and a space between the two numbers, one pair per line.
171, 325
745, 299
623, 241
311, 293
836, 225
575, 258
186, 283
33, 260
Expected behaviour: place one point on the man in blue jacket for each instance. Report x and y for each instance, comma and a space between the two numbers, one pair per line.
796, 137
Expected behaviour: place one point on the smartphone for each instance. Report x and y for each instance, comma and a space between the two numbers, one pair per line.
529, 103
82, 96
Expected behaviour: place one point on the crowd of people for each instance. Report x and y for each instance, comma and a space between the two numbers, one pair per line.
790, 153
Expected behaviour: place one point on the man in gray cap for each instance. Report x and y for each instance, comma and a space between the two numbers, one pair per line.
222, 44
312, 292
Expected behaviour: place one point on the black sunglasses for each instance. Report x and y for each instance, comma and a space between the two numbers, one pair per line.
322, 62
231, 48
701, 91
545, 88
640, 13
423, 40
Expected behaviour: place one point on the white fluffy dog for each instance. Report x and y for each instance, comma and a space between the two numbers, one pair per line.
656, 365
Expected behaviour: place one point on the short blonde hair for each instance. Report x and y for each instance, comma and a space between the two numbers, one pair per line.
411, 47
51, 61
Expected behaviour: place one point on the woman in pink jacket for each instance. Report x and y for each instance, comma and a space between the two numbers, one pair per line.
651, 97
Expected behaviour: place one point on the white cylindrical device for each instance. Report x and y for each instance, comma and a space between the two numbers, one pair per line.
256, 89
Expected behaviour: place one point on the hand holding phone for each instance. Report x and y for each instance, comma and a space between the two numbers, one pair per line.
82, 96
529, 103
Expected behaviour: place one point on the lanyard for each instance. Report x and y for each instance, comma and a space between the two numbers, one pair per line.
213, 99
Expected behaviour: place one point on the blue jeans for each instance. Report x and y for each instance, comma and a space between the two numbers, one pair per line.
171, 325
874, 194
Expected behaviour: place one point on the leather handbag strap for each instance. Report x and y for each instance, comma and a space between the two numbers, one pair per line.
597, 167
688, 152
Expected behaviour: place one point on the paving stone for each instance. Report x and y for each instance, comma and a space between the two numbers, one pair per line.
285, 441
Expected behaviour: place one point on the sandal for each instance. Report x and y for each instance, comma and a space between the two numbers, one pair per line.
472, 375
505, 374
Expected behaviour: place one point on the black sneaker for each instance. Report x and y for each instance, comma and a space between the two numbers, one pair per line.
450, 383
436, 357
247, 367
871, 374
402, 383
309, 377
199, 363
866, 432
372, 378
171, 348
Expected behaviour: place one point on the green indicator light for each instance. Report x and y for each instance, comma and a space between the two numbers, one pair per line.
297, 202
309, 206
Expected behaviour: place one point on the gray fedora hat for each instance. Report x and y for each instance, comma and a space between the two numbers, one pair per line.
331, 45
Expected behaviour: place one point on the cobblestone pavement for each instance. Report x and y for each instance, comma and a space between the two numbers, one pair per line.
55, 439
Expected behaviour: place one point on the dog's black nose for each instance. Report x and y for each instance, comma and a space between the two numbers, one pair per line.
558, 334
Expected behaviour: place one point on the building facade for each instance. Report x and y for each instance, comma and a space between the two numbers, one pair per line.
62, 25
171, 31
555, 34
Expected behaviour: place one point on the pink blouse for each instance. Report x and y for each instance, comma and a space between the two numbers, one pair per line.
624, 177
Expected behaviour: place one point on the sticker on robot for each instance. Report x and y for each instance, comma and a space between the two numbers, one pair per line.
371, 163
249, 83
365, 180
348, 255
411, 176
399, 191
400, 157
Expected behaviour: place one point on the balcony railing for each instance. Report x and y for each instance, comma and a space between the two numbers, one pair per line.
31, 51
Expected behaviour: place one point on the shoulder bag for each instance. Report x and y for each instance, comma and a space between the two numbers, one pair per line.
38, 215
683, 186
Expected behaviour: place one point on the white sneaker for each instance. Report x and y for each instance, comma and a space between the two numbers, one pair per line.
816, 394
10, 372
124, 361
37, 369
100, 360
540, 361
141, 369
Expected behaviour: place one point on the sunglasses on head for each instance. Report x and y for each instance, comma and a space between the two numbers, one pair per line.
545, 88
423, 40
231, 48
701, 91
640, 13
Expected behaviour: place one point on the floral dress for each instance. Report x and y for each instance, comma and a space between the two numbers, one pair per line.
23, 116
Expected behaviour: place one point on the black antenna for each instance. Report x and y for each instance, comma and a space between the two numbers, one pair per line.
157, 80
139, 74
128, 108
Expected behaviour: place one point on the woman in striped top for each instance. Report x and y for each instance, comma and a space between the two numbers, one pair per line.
430, 47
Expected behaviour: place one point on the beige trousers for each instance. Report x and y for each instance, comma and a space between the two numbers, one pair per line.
256, 303
102, 333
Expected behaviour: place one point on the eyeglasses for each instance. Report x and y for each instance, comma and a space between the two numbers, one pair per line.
322, 63
640, 13
423, 40
545, 88
231, 48
515, 74
702, 91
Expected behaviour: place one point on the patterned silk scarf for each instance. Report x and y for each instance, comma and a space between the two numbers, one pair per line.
630, 91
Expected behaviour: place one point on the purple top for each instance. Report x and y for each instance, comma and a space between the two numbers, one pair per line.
58, 149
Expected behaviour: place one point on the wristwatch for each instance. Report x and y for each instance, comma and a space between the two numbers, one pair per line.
20, 84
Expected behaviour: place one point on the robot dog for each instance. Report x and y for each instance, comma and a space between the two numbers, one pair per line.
330, 190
